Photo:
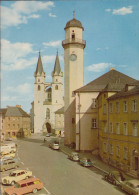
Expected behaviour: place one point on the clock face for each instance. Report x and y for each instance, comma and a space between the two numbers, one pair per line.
73, 57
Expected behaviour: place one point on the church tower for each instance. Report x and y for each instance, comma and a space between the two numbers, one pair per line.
73, 72
39, 89
57, 83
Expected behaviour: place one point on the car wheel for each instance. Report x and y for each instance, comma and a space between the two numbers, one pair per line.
34, 190
12, 183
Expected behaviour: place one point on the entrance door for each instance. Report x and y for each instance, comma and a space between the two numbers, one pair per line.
48, 127
136, 163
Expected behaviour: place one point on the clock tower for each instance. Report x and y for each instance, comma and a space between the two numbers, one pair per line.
73, 69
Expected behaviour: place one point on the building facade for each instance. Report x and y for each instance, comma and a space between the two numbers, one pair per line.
48, 97
15, 122
119, 128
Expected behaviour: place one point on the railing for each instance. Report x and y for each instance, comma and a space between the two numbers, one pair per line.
80, 41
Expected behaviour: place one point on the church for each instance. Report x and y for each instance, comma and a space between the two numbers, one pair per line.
48, 98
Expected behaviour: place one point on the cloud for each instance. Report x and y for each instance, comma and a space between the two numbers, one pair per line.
20, 11
21, 89
107, 10
52, 15
99, 67
123, 11
18, 53
53, 43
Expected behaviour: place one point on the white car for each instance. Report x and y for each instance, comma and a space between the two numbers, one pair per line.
54, 145
16, 176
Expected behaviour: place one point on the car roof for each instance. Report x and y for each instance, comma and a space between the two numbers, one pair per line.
134, 181
18, 171
28, 180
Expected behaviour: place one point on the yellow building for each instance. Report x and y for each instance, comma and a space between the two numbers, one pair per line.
119, 127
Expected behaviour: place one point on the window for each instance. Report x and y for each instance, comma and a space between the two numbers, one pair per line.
30, 183
111, 128
117, 151
111, 108
104, 147
94, 103
47, 113
117, 107
73, 120
38, 80
134, 105
56, 87
118, 128
125, 129
39, 87
111, 149
94, 123
49, 95
105, 127
73, 36
134, 126
125, 154
23, 185
125, 106
104, 109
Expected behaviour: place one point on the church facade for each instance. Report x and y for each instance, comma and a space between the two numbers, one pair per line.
48, 97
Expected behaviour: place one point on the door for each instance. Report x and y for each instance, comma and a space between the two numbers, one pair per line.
136, 163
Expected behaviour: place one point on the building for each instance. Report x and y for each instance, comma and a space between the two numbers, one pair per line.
119, 128
15, 121
73, 73
59, 122
48, 97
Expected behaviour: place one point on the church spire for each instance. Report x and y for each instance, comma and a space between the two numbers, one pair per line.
57, 68
39, 68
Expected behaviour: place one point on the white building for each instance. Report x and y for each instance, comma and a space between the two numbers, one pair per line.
48, 97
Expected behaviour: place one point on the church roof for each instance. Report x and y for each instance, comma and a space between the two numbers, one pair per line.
57, 68
111, 80
39, 68
60, 111
74, 23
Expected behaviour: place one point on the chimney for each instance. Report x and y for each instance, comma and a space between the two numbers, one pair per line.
112, 68
18, 106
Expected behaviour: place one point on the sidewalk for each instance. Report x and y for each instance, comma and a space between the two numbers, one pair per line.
98, 163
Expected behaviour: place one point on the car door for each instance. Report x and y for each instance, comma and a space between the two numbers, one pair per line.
22, 175
24, 189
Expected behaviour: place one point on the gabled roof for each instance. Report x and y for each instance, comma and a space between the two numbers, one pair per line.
16, 112
39, 68
110, 79
57, 68
125, 93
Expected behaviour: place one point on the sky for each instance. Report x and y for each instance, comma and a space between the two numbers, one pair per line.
111, 31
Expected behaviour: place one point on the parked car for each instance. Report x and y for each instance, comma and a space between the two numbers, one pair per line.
15, 176
130, 186
54, 145
9, 164
74, 156
9, 139
114, 177
9, 155
25, 186
7, 148
86, 162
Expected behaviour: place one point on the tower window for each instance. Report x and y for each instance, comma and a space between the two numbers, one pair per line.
73, 36
39, 87
56, 87
38, 80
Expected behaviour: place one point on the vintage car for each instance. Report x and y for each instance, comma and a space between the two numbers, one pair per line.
86, 162
15, 176
9, 164
9, 155
25, 186
114, 177
74, 156
130, 186
54, 145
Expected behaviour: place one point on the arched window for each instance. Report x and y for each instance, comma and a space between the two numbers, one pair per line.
39, 87
47, 113
56, 87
